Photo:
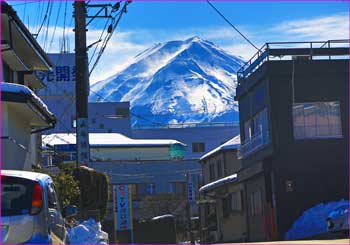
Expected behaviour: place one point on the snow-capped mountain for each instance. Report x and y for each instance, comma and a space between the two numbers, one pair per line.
176, 82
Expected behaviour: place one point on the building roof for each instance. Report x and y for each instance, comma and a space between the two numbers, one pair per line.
28, 37
231, 144
109, 140
218, 183
12, 92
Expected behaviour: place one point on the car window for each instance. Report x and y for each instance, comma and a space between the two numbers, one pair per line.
52, 197
16, 195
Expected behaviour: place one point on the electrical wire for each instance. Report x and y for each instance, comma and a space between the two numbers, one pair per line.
56, 23
232, 25
45, 17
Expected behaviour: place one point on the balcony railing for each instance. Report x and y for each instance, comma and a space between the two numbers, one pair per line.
253, 144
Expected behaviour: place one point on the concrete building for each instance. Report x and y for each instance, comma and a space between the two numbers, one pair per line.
59, 95
24, 115
222, 212
150, 167
294, 125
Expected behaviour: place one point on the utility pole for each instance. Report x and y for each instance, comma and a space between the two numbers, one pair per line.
81, 85
190, 198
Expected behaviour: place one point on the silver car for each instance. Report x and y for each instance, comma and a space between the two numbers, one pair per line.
30, 210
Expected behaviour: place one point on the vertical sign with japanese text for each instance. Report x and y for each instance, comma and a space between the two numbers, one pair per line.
123, 207
191, 194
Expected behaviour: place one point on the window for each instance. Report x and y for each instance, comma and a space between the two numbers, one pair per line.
211, 172
52, 197
317, 120
74, 123
219, 167
232, 203
258, 125
255, 203
93, 120
236, 201
177, 187
198, 147
144, 189
122, 112
102, 126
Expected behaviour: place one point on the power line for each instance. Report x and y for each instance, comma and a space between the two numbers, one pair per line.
45, 17
19, 4
231, 25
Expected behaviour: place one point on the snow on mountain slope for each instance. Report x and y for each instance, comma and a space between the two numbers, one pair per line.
176, 82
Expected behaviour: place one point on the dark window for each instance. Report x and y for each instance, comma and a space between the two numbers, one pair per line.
317, 120
211, 172
102, 126
93, 120
122, 112
7, 73
177, 187
16, 195
144, 189
52, 197
219, 167
255, 203
198, 147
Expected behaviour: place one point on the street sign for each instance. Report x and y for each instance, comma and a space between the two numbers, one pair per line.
191, 194
123, 207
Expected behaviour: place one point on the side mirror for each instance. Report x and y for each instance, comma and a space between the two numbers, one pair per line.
69, 211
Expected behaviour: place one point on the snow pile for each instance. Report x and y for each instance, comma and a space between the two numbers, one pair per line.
313, 221
219, 182
88, 232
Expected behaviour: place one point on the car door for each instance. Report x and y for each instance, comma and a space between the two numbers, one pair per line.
55, 215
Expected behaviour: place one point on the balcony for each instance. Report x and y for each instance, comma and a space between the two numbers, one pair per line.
253, 144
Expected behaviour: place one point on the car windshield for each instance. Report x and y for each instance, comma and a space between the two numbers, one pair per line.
16, 195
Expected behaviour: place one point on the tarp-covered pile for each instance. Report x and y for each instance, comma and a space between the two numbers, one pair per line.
88, 232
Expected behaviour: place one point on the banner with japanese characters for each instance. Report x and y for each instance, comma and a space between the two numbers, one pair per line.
123, 207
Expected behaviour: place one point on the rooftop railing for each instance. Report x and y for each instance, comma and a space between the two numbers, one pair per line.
331, 49
187, 125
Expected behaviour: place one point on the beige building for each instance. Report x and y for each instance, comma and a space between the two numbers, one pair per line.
222, 213
24, 115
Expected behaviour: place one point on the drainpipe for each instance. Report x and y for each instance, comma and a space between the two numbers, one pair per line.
43, 129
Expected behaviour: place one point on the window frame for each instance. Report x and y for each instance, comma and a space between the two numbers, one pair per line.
316, 127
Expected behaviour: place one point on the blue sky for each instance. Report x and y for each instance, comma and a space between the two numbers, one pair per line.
148, 22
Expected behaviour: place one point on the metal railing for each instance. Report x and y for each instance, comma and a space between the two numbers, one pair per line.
188, 125
289, 50
253, 144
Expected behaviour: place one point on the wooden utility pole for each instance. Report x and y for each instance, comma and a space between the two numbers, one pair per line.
81, 85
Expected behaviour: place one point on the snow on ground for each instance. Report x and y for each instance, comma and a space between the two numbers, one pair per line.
313, 221
88, 232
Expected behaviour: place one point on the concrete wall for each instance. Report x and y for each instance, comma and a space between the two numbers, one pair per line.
211, 136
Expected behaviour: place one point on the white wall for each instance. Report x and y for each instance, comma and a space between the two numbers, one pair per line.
18, 128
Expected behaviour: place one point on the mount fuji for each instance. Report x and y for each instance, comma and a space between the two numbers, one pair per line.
186, 81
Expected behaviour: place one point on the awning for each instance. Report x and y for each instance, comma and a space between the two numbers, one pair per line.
218, 183
24, 101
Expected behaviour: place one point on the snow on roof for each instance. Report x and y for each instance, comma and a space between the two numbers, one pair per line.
219, 182
108, 139
21, 89
231, 144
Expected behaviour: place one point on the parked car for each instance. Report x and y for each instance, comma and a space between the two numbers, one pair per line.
30, 209
338, 220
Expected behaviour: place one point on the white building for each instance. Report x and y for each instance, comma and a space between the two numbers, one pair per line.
24, 115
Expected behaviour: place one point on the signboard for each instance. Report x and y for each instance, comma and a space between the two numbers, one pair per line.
83, 147
63, 70
123, 207
191, 193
